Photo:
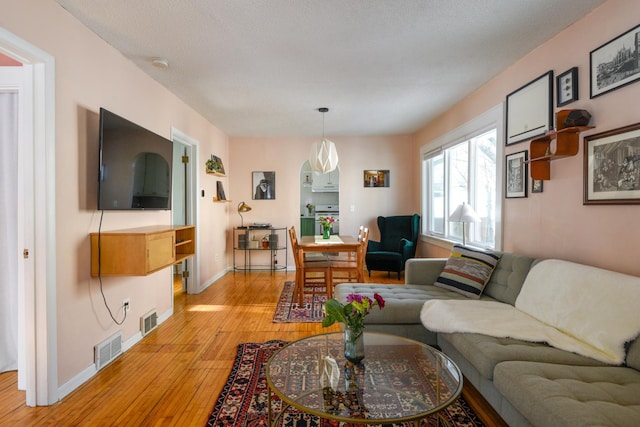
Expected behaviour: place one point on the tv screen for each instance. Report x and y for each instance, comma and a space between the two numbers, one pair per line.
135, 166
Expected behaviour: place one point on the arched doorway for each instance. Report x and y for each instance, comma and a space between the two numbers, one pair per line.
322, 193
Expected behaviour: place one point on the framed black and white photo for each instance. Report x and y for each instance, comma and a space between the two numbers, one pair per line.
567, 87
615, 63
516, 175
264, 185
612, 167
530, 110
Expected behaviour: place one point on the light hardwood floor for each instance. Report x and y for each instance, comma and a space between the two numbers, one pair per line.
174, 375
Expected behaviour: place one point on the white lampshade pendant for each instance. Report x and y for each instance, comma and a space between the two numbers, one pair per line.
323, 157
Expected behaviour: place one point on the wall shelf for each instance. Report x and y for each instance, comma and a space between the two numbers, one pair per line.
140, 251
541, 152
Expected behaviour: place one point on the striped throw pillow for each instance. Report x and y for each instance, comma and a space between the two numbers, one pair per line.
467, 271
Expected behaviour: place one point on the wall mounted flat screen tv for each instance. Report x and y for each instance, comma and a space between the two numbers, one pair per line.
135, 166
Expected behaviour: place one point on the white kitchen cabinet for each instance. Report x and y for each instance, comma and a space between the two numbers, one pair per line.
326, 182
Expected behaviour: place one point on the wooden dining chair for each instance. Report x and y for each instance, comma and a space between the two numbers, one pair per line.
312, 277
342, 256
350, 268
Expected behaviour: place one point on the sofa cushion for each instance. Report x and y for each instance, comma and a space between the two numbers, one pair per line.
633, 354
467, 271
562, 395
508, 277
485, 352
403, 303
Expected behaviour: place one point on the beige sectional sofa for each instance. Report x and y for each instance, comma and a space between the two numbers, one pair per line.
528, 383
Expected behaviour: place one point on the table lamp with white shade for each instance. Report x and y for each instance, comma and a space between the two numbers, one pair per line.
464, 214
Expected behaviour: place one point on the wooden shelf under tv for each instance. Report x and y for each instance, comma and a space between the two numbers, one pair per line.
541, 155
140, 251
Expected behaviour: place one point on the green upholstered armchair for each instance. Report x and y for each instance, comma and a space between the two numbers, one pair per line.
398, 241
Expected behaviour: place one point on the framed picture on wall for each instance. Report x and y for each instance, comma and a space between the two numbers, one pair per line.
615, 63
264, 185
376, 178
567, 87
537, 185
530, 110
612, 167
516, 175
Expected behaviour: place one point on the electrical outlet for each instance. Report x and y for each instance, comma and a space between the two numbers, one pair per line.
126, 305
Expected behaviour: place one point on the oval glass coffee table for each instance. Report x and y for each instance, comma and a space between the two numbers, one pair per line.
399, 380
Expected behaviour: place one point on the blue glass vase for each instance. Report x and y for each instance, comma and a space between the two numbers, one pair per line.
354, 344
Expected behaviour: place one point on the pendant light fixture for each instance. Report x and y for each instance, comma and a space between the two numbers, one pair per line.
323, 157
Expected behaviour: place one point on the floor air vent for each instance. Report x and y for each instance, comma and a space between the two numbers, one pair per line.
108, 350
148, 322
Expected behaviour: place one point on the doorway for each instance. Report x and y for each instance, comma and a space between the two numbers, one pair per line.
11, 338
36, 211
179, 209
184, 204
319, 193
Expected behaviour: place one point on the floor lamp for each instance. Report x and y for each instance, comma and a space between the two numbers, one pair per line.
464, 214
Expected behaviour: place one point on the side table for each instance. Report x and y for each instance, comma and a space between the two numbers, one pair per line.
399, 380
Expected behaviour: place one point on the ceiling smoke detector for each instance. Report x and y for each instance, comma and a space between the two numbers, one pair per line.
162, 63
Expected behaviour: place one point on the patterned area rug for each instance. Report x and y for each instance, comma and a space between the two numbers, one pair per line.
243, 400
289, 311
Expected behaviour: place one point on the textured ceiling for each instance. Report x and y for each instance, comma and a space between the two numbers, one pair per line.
258, 67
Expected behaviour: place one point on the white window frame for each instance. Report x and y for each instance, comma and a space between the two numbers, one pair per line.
493, 118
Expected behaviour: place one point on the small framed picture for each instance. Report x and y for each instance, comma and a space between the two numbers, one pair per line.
264, 185
567, 87
612, 167
516, 175
376, 178
536, 185
220, 190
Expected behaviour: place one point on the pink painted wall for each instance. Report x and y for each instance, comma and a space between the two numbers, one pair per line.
286, 155
5, 61
90, 74
555, 224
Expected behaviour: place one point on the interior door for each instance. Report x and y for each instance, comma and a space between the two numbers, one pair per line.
179, 201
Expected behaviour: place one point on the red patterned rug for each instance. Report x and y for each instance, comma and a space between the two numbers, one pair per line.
243, 400
290, 311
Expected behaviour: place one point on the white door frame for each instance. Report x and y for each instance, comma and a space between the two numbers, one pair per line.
37, 142
192, 216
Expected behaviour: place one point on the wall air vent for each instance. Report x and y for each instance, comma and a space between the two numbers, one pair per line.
148, 322
108, 350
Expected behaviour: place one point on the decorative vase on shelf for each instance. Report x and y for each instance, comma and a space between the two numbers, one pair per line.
354, 344
325, 231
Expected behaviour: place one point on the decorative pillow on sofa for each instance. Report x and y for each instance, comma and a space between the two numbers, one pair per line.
467, 271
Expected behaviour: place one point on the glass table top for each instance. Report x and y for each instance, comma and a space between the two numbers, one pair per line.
398, 380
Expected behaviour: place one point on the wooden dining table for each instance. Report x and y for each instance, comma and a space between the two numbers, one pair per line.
341, 243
